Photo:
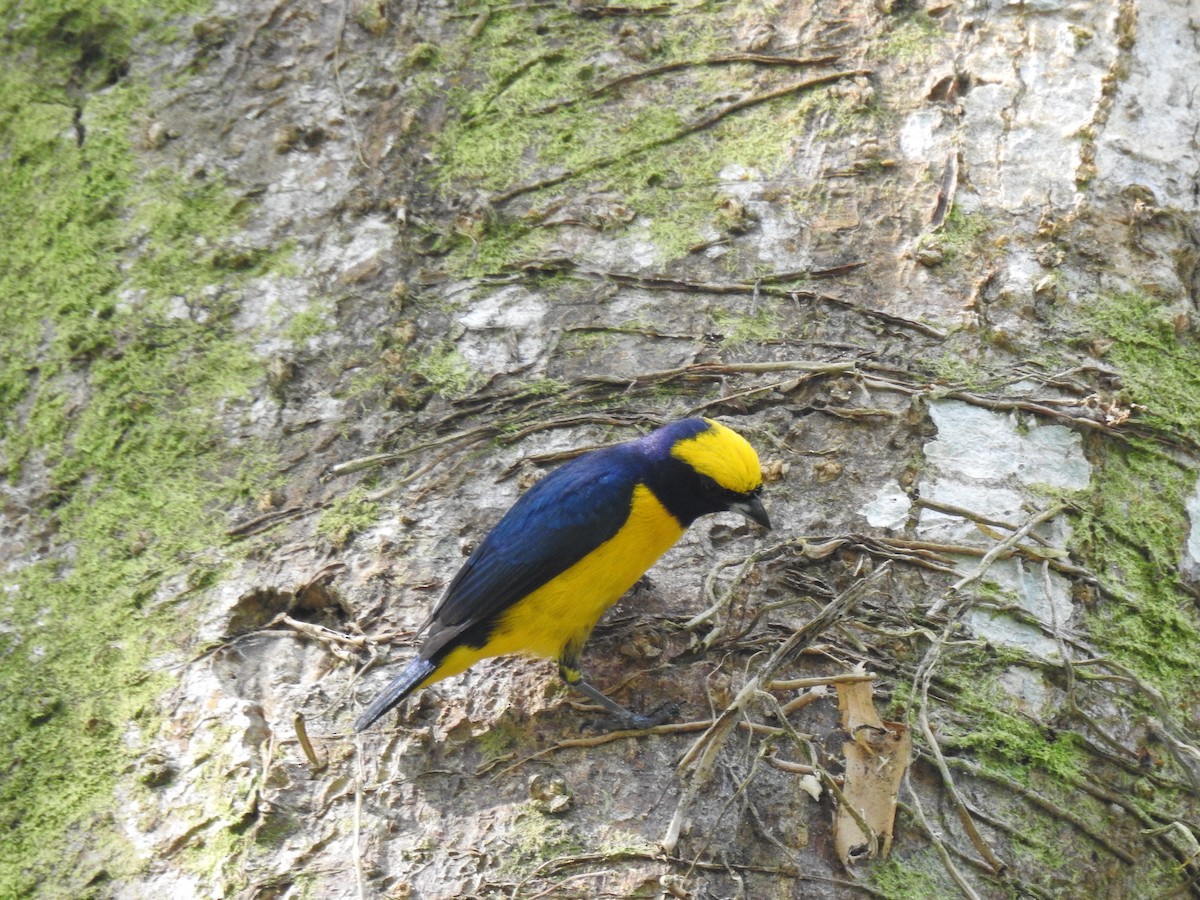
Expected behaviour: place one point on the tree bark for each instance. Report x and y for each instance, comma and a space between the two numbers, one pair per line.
296, 290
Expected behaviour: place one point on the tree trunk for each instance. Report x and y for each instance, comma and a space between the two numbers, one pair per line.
299, 298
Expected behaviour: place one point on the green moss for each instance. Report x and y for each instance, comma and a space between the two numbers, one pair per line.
1132, 525
751, 327
994, 731
501, 739
1158, 876
350, 513
275, 829
117, 362
535, 838
495, 244
1015, 745
445, 370
372, 19
422, 55
913, 38
954, 369
915, 877
309, 323
1132, 528
961, 237
213, 853
1039, 844
522, 110
544, 387
1159, 367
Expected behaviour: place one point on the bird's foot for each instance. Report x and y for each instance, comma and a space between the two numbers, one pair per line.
631, 721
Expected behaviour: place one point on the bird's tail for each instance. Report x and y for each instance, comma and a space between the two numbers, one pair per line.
404, 684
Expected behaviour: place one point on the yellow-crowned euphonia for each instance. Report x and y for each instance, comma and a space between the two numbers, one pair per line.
572, 545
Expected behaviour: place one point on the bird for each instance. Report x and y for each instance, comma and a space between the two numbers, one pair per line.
571, 546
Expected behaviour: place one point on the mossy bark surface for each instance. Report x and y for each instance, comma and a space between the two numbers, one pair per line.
298, 298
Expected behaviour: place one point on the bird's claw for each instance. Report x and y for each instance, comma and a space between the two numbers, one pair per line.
631, 721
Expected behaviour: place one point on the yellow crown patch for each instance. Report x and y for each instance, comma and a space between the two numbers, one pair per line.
724, 456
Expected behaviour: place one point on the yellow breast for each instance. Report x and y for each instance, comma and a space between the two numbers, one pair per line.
568, 607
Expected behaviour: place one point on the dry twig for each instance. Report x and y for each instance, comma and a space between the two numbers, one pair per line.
702, 756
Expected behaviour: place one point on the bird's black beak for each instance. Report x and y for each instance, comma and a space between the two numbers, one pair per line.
752, 508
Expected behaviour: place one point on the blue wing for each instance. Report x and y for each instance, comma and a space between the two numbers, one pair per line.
556, 523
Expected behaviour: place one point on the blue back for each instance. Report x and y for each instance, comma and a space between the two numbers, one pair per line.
556, 523
552, 526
